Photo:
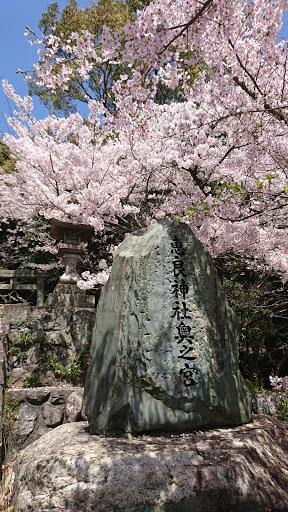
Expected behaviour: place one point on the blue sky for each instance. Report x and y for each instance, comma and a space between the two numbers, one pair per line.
16, 53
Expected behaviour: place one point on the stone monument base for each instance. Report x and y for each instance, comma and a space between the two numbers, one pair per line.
240, 469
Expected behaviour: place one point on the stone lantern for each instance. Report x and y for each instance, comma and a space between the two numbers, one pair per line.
73, 237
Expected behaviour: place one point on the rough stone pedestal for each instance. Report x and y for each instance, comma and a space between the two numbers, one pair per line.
244, 469
165, 345
67, 295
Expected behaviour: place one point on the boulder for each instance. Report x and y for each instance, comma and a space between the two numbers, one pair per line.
165, 345
74, 406
53, 415
25, 419
238, 469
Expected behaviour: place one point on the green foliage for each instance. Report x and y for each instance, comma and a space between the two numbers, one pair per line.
282, 407
22, 342
136, 5
23, 244
31, 380
24, 338
7, 163
254, 387
10, 408
260, 302
72, 372
112, 13
8, 381
280, 395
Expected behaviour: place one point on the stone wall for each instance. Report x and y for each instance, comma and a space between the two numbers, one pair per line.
44, 353
46, 346
31, 412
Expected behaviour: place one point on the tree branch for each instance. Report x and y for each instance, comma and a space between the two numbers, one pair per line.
263, 314
205, 6
275, 112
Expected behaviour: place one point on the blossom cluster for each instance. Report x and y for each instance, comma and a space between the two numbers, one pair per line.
280, 384
89, 280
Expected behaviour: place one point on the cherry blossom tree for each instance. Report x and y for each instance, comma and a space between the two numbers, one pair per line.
216, 160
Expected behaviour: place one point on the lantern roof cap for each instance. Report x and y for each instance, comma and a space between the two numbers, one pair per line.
59, 228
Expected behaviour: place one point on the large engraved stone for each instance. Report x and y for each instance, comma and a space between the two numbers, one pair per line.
165, 345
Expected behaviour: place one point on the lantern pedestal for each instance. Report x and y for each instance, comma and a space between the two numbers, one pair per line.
70, 256
70, 296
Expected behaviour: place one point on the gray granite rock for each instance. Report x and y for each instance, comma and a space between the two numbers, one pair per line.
264, 403
73, 406
34, 396
242, 469
165, 345
53, 415
25, 422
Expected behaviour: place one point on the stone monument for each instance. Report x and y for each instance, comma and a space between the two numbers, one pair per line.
165, 343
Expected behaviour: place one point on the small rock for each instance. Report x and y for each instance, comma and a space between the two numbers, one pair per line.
25, 422
263, 403
37, 396
53, 415
73, 406
58, 398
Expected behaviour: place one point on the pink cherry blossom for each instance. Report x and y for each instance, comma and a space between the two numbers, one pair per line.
217, 160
